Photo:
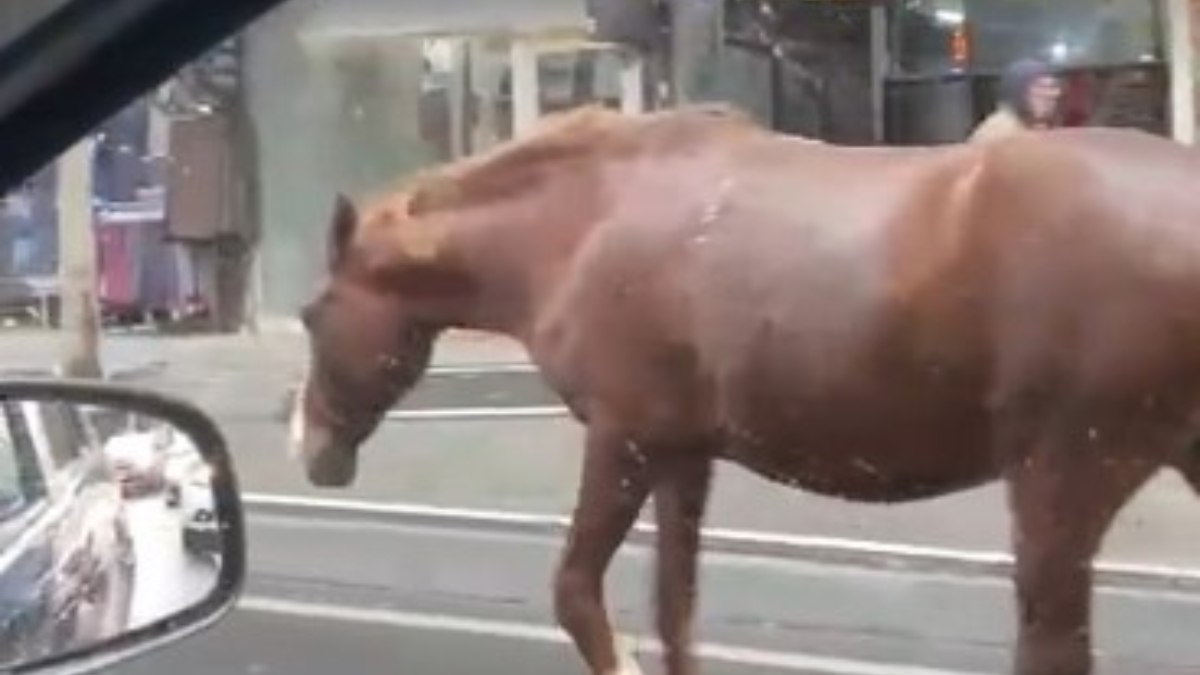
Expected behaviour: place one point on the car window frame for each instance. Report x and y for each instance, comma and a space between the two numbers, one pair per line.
20, 469
34, 477
50, 414
89, 59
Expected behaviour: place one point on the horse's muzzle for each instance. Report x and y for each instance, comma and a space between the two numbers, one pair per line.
329, 461
331, 466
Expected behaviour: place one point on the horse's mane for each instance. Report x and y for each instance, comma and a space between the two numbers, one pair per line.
583, 132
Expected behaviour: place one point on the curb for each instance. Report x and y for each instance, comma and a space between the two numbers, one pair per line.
812, 549
462, 370
116, 375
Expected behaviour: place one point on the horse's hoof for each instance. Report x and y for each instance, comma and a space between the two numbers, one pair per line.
627, 665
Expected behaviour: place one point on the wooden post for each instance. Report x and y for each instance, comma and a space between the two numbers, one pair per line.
79, 307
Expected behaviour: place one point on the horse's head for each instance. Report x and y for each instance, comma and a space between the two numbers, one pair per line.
371, 331
447, 250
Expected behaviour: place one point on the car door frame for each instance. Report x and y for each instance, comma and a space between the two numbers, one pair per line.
59, 81
89, 59
30, 533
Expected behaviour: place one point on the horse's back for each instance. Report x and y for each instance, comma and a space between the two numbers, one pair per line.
818, 304
935, 250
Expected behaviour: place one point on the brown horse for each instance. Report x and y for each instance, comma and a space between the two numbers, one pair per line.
872, 323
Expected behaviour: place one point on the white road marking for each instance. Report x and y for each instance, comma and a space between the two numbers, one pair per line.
757, 658
748, 541
478, 413
481, 369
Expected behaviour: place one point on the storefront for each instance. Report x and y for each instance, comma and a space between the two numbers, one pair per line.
378, 89
923, 71
141, 273
349, 96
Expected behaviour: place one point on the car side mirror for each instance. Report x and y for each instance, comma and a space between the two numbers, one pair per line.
120, 524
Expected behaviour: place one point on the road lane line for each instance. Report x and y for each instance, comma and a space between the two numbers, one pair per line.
746, 656
480, 369
876, 554
733, 541
477, 413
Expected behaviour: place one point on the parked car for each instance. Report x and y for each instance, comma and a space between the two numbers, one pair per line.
189, 487
67, 576
138, 461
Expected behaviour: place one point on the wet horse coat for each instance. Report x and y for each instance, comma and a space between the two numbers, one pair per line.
872, 323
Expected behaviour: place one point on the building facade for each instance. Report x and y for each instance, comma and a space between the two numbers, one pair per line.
923, 71
349, 96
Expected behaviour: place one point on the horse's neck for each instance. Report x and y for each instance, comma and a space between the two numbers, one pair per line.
517, 255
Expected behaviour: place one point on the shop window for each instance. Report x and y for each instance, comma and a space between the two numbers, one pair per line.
466, 92
1109, 55
816, 61
929, 37
570, 79
1131, 96
939, 36
1068, 32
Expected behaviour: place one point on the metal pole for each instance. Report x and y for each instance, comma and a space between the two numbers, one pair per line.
1181, 67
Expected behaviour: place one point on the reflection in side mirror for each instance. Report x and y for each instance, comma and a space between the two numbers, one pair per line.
110, 523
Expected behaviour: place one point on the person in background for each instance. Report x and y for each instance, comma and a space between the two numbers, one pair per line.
1028, 99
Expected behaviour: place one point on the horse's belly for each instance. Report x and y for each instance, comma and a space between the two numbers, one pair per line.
882, 452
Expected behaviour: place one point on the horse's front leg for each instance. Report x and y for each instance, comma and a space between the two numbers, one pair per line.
613, 488
1063, 499
680, 496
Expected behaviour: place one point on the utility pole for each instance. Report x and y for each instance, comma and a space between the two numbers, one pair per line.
79, 306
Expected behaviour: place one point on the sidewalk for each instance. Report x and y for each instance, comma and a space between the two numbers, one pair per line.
228, 376
123, 352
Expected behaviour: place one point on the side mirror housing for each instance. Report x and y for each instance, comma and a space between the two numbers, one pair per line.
120, 524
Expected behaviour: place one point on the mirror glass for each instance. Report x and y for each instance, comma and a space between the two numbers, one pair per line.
107, 524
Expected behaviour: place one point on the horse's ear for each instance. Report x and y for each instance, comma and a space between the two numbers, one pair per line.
345, 219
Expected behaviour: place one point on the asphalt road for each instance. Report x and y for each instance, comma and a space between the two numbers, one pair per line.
345, 594
514, 386
531, 465
329, 594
